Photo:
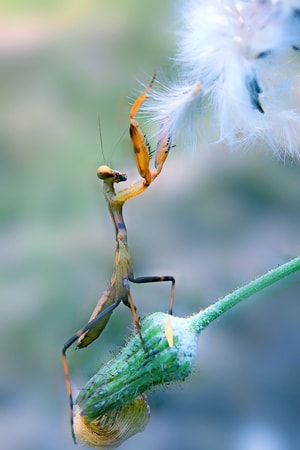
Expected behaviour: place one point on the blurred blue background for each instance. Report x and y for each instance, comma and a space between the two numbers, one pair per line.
214, 220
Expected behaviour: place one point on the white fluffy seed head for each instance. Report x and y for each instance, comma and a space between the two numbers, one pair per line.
245, 55
175, 109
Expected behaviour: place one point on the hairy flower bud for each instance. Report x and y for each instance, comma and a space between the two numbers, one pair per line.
139, 367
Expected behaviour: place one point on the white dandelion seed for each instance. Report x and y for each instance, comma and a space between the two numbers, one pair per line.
177, 104
245, 56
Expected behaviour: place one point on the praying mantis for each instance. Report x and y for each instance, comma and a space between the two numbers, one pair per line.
118, 289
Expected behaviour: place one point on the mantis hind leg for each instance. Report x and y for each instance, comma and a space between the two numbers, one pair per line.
68, 344
156, 279
130, 304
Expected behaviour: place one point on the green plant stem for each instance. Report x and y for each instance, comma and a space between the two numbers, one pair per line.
202, 319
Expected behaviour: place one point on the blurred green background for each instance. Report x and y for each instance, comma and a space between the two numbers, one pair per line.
214, 220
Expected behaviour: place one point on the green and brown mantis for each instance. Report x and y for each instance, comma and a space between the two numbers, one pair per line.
118, 290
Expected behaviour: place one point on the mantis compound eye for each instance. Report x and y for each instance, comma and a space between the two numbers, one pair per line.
104, 172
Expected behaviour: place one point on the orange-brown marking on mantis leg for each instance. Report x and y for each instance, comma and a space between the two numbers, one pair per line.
163, 147
139, 143
141, 151
69, 392
136, 106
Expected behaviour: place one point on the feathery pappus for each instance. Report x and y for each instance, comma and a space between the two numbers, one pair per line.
237, 75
